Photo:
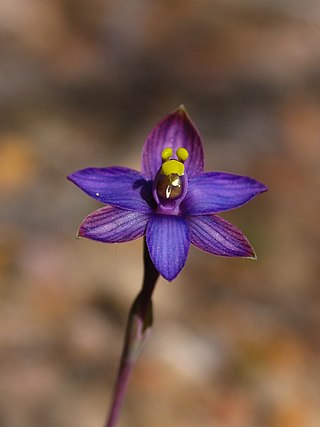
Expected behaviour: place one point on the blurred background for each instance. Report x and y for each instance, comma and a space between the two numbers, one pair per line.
235, 342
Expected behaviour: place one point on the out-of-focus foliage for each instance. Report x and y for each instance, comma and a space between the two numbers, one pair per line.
235, 342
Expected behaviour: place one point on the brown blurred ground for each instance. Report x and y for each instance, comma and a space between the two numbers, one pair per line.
235, 343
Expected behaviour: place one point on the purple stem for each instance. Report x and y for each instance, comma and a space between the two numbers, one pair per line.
138, 330
119, 393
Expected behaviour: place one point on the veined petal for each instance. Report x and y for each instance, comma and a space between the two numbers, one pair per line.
117, 186
217, 236
213, 192
168, 242
113, 225
174, 131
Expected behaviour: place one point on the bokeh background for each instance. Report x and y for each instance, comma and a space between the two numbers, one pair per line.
235, 342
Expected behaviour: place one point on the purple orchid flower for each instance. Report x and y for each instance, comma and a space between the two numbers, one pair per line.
172, 200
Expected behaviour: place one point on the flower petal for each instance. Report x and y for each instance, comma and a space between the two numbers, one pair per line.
117, 186
174, 131
168, 242
214, 192
113, 225
217, 236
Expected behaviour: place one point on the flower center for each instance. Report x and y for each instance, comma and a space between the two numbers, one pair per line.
170, 184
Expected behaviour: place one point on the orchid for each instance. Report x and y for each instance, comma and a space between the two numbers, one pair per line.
172, 201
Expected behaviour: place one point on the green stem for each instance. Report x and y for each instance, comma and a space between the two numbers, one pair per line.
138, 330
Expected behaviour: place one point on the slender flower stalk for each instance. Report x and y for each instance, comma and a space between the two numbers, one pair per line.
138, 331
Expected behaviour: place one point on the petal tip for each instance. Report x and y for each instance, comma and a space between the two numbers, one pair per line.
168, 274
263, 188
70, 177
252, 255
183, 113
79, 234
169, 278
182, 109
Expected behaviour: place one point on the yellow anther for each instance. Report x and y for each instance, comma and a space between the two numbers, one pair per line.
182, 154
166, 154
172, 167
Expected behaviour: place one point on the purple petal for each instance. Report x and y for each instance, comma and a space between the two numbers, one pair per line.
117, 186
217, 236
168, 243
113, 225
174, 131
213, 192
